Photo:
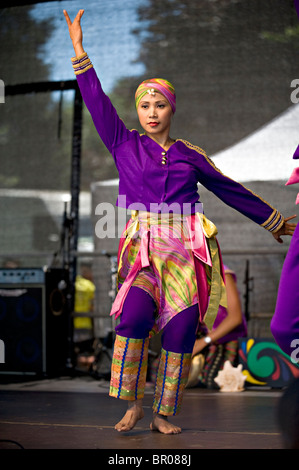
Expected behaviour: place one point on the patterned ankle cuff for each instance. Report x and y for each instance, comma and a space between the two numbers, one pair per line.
81, 63
172, 377
129, 367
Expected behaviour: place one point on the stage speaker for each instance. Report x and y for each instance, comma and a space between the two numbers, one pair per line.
34, 326
58, 321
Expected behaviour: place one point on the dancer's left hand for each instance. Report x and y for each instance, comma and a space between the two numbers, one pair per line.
286, 229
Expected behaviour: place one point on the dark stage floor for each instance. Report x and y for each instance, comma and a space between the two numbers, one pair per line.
77, 413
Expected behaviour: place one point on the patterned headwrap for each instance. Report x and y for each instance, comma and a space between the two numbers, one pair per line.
158, 85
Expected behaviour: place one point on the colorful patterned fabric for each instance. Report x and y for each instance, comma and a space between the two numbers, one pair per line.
172, 377
129, 367
169, 273
156, 85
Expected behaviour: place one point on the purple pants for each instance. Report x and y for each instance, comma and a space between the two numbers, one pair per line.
138, 316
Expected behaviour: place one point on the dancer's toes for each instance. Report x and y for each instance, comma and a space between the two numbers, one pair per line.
130, 419
161, 424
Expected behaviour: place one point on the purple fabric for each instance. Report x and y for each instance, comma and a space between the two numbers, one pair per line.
239, 332
296, 153
138, 314
180, 332
137, 319
139, 162
285, 322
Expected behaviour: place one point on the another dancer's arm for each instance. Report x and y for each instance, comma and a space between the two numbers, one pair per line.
230, 322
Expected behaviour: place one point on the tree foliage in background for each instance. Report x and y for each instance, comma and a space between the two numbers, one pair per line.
230, 76
31, 154
231, 61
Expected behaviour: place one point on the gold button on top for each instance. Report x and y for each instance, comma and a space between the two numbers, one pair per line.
164, 158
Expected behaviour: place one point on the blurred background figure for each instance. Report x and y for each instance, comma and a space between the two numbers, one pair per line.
213, 348
84, 306
11, 263
83, 331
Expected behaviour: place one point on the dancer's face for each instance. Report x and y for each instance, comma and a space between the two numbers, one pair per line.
155, 113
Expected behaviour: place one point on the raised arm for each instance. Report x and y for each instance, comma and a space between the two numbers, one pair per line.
109, 126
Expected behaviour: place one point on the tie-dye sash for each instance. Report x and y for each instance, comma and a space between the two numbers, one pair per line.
176, 259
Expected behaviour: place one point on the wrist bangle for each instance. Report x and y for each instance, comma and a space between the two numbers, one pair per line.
81, 63
79, 58
207, 339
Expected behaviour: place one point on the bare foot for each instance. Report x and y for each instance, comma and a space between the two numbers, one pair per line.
161, 424
133, 414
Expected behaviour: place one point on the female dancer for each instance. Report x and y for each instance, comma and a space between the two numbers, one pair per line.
170, 269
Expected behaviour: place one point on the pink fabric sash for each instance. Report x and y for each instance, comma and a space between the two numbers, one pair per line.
199, 247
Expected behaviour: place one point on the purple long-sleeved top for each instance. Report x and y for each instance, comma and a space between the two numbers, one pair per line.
153, 179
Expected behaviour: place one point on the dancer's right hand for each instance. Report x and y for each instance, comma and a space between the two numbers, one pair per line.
75, 31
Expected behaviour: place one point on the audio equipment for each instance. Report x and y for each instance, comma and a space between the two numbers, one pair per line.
34, 323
